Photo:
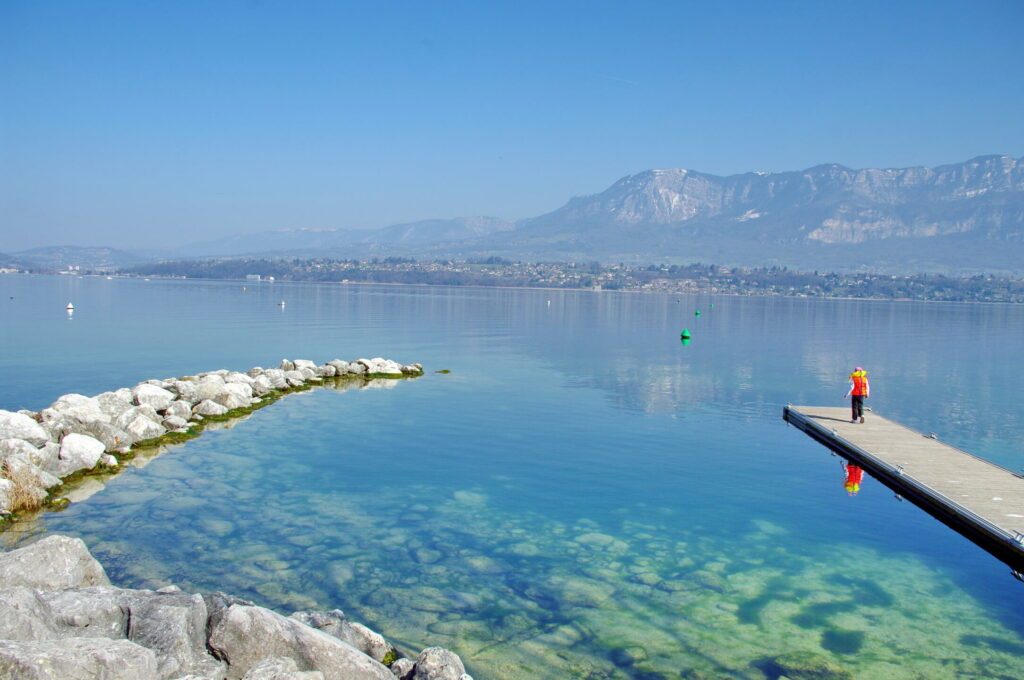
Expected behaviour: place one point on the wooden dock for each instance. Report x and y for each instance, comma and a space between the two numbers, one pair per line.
979, 499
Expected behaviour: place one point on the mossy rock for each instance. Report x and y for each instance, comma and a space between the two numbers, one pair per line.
443, 371
390, 658
808, 666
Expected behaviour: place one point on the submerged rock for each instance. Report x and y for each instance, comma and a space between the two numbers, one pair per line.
809, 666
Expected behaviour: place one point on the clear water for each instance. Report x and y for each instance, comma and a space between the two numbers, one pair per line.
582, 496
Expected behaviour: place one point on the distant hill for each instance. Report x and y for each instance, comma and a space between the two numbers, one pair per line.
56, 258
9, 262
349, 242
953, 218
968, 214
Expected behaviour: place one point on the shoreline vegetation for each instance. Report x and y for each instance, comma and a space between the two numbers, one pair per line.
45, 455
498, 272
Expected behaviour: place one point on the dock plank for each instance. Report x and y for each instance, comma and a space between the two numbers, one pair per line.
979, 498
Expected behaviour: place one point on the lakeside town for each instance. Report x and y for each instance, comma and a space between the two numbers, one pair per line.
663, 278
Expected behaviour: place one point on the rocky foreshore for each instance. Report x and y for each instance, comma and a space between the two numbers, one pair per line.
61, 618
76, 435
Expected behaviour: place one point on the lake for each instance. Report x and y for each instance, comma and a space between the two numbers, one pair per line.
583, 496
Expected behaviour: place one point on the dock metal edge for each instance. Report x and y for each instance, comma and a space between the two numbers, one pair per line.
1003, 545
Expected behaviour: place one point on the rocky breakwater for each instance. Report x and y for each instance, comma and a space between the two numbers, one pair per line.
76, 435
61, 618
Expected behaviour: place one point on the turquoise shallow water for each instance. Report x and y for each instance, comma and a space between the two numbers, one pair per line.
582, 496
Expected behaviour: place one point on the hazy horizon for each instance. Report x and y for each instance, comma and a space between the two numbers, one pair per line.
148, 127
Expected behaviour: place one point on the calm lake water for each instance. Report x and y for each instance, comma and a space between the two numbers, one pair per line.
581, 497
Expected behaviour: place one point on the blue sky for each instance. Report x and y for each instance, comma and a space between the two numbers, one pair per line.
149, 125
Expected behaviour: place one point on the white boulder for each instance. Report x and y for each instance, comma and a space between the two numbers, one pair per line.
234, 395
143, 428
148, 394
179, 409
209, 408
79, 452
20, 426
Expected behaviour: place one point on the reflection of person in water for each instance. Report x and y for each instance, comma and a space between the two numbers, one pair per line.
854, 475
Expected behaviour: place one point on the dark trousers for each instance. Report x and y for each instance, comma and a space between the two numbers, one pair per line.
857, 405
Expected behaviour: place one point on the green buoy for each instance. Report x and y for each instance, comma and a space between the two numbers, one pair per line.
686, 341
697, 313
685, 335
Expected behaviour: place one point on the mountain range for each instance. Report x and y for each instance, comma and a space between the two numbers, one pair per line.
960, 217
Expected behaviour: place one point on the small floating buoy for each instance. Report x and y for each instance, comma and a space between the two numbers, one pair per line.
549, 303
281, 303
686, 341
685, 335
70, 307
712, 305
697, 313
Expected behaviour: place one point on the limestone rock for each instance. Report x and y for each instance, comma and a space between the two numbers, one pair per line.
175, 423
112, 404
403, 668
277, 668
236, 377
113, 437
379, 366
294, 378
124, 420
6, 496
24, 615
79, 452
209, 387
359, 636
286, 365
53, 563
76, 658
234, 395
357, 368
18, 447
437, 663
151, 395
20, 426
179, 409
340, 367
304, 363
209, 408
187, 391
262, 385
174, 626
95, 611
20, 468
277, 378
245, 635
81, 408
326, 371
142, 428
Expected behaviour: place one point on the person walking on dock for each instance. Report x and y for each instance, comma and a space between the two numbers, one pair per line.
860, 390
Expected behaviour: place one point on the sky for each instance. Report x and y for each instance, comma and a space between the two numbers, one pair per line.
149, 125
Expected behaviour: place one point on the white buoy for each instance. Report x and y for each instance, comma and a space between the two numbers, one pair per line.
70, 307
281, 303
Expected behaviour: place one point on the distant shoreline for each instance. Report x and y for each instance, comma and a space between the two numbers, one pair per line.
752, 293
